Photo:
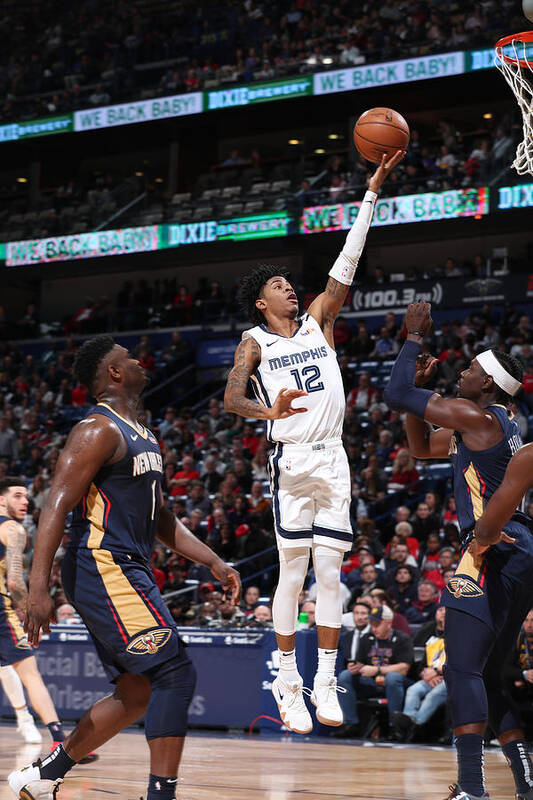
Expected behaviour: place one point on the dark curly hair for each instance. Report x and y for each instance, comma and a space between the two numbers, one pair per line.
514, 368
252, 286
89, 357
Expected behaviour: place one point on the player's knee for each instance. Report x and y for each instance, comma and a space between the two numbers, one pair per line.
133, 691
172, 691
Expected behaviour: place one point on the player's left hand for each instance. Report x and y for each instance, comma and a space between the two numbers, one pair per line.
386, 166
230, 580
477, 550
40, 612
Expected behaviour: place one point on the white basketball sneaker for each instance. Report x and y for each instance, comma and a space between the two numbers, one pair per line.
324, 697
291, 704
27, 728
27, 784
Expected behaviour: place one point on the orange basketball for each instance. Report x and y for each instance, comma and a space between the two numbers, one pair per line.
378, 131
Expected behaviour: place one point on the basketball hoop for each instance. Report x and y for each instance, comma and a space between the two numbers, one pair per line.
514, 59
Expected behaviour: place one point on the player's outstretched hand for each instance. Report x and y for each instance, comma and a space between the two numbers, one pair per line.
40, 613
386, 166
426, 366
418, 318
282, 407
230, 580
477, 549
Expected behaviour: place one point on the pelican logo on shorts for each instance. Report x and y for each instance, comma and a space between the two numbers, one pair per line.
23, 643
463, 587
149, 642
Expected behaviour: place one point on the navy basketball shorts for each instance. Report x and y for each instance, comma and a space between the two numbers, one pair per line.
13, 641
500, 593
122, 608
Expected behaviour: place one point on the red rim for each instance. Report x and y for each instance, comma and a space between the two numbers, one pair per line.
525, 36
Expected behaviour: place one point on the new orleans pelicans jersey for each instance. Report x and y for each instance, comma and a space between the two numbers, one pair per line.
478, 473
119, 511
304, 361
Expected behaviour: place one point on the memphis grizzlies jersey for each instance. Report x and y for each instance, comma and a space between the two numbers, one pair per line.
478, 473
118, 513
305, 361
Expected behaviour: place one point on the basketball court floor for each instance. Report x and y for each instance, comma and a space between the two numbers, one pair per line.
266, 767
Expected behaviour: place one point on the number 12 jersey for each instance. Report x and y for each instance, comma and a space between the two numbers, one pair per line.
303, 361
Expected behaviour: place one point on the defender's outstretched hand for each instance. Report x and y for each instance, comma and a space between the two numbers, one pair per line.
386, 166
40, 613
282, 407
418, 318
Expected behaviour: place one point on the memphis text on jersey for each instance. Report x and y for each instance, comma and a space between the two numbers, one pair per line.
298, 358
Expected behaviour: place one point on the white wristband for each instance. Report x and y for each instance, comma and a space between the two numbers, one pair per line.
343, 270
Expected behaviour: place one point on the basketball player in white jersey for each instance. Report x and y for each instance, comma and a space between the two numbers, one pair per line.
289, 357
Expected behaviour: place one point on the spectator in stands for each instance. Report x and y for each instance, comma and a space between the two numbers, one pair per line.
309, 608
184, 477
79, 396
176, 349
210, 477
404, 473
373, 480
423, 610
445, 561
384, 658
177, 575
258, 502
197, 498
250, 599
423, 522
404, 530
401, 514
381, 597
384, 448
398, 554
250, 440
403, 589
168, 421
361, 396
369, 579
428, 694
385, 347
518, 671
429, 553
8, 441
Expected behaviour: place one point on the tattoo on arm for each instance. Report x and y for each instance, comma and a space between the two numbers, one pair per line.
16, 541
335, 296
247, 357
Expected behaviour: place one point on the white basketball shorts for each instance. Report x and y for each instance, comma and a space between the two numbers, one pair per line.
311, 494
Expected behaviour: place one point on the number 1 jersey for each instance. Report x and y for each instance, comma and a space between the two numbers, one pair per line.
118, 513
305, 361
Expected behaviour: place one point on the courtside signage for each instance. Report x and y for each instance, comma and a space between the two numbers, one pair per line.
387, 73
256, 226
83, 245
425, 207
258, 93
178, 105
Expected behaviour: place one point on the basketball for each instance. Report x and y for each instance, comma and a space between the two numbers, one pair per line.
378, 131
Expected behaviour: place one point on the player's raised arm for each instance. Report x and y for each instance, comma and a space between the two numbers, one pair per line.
91, 444
507, 498
327, 305
247, 359
401, 392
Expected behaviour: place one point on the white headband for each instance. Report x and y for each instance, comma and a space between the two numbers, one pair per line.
499, 375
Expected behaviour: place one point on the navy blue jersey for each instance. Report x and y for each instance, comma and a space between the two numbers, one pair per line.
119, 511
478, 473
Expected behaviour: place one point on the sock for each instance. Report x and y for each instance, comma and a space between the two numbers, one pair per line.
520, 763
161, 788
57, 764
23, 715
470, 760
326, 661
56, 731
288, 670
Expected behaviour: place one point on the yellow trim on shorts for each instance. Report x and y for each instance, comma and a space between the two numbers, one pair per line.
133, 613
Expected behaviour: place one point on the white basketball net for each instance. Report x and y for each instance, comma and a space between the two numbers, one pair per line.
520, 79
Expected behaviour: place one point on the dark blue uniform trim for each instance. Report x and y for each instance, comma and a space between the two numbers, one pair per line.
344, 536
280, 530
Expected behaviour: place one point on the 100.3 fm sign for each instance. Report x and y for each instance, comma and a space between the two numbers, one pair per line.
441, 293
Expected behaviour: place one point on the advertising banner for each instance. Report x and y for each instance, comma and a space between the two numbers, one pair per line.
426, 207
441, 293
255, 226
178, 105
388, 73
479, 59
83, 245
216, 352
29, 129
520, 196
259, 93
